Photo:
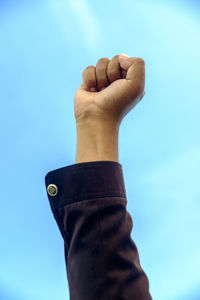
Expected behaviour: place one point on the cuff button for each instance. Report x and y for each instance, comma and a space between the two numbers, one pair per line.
52, 190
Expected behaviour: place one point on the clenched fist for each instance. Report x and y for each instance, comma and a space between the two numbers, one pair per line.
110, 90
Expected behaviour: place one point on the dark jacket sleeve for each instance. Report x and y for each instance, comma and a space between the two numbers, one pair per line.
88, 201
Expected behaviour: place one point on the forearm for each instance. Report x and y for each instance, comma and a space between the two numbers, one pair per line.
96, 141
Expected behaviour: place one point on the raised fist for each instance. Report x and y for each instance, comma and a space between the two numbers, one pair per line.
110, 90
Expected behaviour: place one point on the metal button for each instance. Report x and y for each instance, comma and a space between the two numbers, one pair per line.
52, 190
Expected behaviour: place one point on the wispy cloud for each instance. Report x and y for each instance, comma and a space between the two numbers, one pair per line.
88, 24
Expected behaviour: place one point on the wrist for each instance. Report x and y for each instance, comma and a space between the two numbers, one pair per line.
97, 141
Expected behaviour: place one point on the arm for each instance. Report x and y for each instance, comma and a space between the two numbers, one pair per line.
96, 141
89, 206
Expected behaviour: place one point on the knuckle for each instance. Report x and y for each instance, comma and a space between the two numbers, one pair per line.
88, 75
102, 60
116, 56
89, 67
140, 60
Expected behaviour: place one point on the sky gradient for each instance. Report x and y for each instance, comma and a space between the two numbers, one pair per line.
44, 48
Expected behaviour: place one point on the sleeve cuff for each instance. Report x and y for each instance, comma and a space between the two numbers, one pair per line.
83, 181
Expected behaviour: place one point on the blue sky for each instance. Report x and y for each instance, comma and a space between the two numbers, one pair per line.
44, 47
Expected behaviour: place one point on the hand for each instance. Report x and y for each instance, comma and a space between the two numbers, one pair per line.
122, 80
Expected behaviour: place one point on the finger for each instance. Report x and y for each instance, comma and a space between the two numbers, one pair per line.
135, 68
101, 73
114, 69
89, 77
126, 61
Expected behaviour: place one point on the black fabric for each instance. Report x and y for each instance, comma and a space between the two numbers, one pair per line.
102, 260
